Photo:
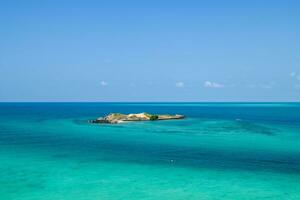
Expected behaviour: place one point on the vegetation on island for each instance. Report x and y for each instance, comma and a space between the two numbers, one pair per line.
153, 117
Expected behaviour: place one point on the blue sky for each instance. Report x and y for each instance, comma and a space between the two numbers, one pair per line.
149, 50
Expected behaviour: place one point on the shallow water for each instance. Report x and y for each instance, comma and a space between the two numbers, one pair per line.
220, 151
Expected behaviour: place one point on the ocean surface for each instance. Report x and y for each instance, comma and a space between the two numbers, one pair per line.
236, 151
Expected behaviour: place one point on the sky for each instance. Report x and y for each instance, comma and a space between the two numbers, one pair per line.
154, 50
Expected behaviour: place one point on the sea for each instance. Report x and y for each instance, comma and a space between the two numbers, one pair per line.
220, 151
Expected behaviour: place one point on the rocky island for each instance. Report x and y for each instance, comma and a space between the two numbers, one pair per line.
116, 118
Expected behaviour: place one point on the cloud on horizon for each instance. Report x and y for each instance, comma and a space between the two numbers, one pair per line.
103, 83
211, 84
295, 77
267, 86
292, 74
179, 84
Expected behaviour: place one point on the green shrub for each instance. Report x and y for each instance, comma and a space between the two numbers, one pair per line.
153, 117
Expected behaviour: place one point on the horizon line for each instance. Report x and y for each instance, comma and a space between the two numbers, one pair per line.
149, 101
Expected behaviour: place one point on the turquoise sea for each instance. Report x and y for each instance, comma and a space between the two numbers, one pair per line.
236, 151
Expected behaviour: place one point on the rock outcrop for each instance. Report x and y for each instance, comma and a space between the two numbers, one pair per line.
115, 118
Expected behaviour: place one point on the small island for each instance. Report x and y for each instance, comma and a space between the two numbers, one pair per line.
116, 118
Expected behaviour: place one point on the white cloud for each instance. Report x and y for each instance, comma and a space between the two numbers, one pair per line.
292, 74
103, 83
211, 84
179, 84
